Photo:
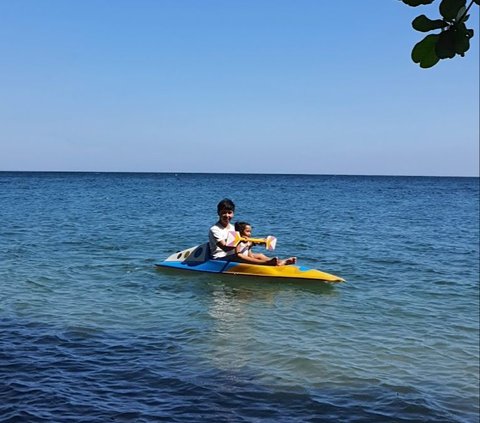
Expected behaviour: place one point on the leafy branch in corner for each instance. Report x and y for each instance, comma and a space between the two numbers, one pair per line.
454, 36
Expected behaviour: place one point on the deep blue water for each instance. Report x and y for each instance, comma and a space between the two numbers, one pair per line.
91, 332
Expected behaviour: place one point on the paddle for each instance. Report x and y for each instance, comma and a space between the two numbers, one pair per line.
234, 238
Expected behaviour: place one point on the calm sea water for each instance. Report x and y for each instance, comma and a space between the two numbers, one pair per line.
91, 332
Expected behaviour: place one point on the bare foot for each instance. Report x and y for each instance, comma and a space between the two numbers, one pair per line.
273, 261
291, 260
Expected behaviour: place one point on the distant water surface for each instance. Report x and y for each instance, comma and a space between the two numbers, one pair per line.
91, 332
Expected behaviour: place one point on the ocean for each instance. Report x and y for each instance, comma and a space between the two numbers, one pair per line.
90, 331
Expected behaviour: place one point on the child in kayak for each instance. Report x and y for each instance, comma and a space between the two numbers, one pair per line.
244, 253
218, 233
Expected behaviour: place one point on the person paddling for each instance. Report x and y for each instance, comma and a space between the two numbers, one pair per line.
218, 233
244, 253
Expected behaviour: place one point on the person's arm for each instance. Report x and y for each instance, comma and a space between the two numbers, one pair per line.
223, 245
239, 249
219, 241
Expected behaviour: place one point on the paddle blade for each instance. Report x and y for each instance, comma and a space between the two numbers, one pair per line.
233, 238
271, 243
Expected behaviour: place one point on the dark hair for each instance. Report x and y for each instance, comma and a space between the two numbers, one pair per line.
240, 226
225, 204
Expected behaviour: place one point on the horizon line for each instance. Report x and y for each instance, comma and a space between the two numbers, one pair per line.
236, 173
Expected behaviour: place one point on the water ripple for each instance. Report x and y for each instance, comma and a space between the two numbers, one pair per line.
89, 331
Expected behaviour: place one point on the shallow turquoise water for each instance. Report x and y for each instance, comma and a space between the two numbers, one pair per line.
90, 331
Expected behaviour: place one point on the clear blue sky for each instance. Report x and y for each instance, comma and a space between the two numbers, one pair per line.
262, 86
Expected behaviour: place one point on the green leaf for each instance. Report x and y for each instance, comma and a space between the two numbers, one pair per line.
460, 13
423, 24
449, 8
445, 47
424, 51
462, 43
462, 28
477, 1
461, 39
416, 3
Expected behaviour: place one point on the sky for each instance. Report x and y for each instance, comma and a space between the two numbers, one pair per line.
237, 86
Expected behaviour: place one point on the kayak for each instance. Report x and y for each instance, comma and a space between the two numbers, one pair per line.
198, 259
